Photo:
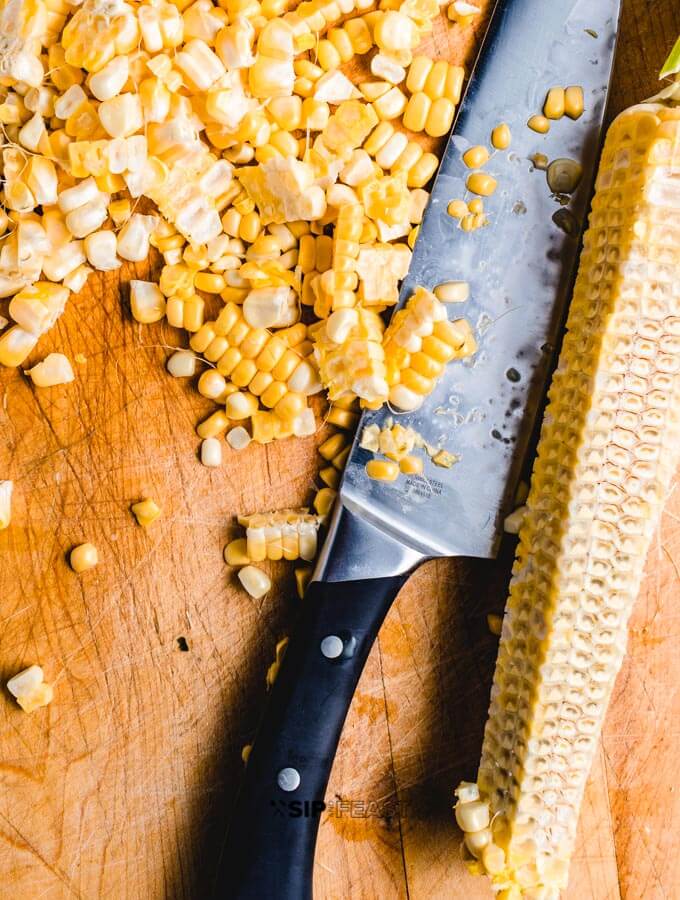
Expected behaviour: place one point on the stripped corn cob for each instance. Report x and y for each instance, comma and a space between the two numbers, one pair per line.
609, 447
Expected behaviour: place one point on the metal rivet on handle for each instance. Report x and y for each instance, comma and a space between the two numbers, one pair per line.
288, 779
332, 646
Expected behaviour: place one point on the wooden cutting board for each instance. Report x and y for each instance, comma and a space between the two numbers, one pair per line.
121, 788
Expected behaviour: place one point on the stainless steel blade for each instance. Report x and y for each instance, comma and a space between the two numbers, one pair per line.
520, 271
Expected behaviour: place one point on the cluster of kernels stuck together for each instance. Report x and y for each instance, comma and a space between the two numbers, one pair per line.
419, 342
287, 534
435, 89
608, 451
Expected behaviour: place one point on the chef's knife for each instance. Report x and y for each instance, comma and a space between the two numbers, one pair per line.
520, 271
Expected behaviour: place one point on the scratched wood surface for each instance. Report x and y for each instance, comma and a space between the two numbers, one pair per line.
122, 787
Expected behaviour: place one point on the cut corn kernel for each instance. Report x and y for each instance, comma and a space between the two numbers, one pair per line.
147, 302
146, 512
501, 137
211, 452
574, 102
236, 553
29, 689
6, 488
303, 576
55, 369
476, 157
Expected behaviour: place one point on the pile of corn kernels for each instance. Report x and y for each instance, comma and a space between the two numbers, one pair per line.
278, 185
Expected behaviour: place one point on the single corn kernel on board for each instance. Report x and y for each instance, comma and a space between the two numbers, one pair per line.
117, 788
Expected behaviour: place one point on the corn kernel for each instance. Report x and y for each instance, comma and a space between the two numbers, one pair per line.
382, 470
476, 157
482, 184
236, 553
540, 124
83, 557
255, 581
146, 512
574, 102
553, 108
501, 137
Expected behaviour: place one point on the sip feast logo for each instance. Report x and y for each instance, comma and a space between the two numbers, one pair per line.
298, 809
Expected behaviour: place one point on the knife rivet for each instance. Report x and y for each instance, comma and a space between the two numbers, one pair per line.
332, 646
288, 779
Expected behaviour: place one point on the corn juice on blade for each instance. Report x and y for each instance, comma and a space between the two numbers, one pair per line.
519, 269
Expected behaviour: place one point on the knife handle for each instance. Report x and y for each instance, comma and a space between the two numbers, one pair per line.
269, 851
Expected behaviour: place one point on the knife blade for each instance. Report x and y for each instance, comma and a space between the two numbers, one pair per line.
520, 271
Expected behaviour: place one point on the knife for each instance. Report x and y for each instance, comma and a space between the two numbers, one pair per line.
520, 271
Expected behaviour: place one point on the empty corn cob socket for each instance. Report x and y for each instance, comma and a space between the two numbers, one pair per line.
256, 582
564, 176
30, 689
146, 512
6, 488
83, 557
53, 370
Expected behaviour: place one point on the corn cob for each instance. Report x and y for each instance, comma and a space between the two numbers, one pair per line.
609, 448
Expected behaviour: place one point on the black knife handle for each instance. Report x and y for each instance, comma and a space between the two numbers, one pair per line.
269, 850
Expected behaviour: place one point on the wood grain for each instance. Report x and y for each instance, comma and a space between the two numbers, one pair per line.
122, 787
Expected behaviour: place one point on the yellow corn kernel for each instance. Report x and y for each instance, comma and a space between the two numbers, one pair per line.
417, 111
340, 460
574, 102
382, 469
146, 512
330, 477
476, 206
457, 209
342, 43
213, 385
324, 500
411, 465
501, 137
209, 282
286, 112
436, 80
476, 157
264, 426
214, 425
236, 554
333, 445
410, 156
413, 236
342, 418
371, 90
481, 183
417, 74
241, 405
328, 56
359, 34
83, 557
249, 227
453, 87
391, 105
540, 124
440, 117
423, 169
553, 108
